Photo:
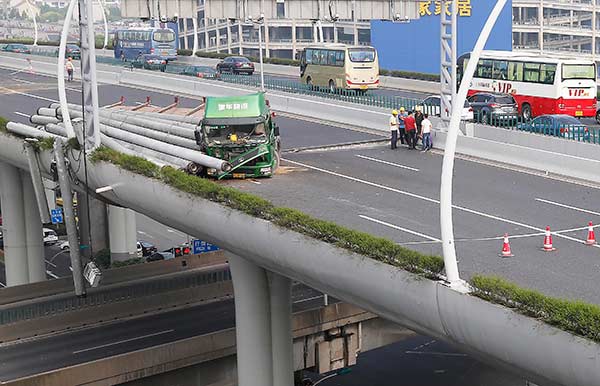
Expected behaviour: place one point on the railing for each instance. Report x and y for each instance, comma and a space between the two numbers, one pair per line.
574, 132
103, 296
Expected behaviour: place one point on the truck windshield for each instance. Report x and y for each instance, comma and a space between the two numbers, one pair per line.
224, 133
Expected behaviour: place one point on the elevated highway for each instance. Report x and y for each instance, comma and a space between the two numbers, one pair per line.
398, 296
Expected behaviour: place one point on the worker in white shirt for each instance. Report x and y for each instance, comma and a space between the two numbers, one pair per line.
70, 69
426, 130
394, 128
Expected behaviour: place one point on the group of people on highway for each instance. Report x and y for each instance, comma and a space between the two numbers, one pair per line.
409, 127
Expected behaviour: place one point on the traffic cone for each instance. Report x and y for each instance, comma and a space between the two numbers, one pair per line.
591, 238
506, 247
548, 241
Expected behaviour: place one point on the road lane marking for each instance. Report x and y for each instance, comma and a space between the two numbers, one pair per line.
436, 353
51, 263
387, 162
174, 231
567, 206
28, 95
123, 341
70, 268
387, 224
2, 284
145, 234
428, 199
21, 114
49, 273
24, 81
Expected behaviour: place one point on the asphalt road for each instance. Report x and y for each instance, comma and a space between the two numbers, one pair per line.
394, 194
58, 351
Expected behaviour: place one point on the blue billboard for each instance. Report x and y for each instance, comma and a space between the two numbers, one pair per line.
415, 46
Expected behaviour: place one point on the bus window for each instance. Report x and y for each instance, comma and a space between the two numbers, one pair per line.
515, 71
339, 58
547, 72
531, 72
500, 69
484, 68
361, 55
163, 36
331, 58
307, 56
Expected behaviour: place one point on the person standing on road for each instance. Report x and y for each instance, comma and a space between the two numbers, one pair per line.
70, 69
418, 119
426, 130
411, 130
394, 129
401, 125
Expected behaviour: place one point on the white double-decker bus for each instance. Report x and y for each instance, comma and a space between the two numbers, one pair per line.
539, 84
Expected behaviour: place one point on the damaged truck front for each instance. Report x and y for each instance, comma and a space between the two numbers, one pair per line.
240, 130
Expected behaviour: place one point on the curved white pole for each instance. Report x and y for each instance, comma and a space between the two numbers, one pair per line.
35, 27
62, 93
446, 225
195, 22
101, 2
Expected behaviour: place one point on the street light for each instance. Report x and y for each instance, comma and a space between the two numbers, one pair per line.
260, 22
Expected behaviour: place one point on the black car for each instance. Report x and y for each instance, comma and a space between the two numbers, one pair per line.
201, 72
17, 48
489, 107
146, 248
150, 62
156, 256
236, 65
73, 51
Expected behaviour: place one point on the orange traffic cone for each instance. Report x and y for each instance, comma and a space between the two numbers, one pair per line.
506, 247
591, 238
548, 241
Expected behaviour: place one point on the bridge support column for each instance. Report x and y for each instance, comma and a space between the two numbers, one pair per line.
33, 232
253, 323
121, 221
280, 289
93, 230
13, 225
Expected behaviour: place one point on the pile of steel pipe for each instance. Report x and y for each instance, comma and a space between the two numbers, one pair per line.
165, 137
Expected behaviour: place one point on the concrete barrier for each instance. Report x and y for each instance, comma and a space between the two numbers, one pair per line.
11, 295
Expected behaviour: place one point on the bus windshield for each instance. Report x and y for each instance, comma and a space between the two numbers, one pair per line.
361, 55
578, 71
163, 36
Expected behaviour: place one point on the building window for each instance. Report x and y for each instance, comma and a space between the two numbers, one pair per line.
280, 9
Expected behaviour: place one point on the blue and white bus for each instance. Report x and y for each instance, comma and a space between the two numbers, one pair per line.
129, 43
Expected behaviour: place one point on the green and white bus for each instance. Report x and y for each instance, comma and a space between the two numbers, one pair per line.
339, 66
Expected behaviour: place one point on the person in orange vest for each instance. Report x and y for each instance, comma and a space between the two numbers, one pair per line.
70, 69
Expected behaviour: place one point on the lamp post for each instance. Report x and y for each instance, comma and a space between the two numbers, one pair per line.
35, 27
260, 22
101, 2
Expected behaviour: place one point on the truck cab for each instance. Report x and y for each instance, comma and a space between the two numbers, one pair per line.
242, 131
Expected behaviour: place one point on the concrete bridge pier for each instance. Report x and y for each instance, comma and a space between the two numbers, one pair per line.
95, 237
13, 226
122, 233
33, 231
263, 315
253, 323
280, 290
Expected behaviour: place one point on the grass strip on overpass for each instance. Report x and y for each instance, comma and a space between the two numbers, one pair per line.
575, 317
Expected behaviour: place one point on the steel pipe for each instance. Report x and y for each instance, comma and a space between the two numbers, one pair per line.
187, 154
62, 92
27, 131
38, 183
48, 111
43, 119
67, 196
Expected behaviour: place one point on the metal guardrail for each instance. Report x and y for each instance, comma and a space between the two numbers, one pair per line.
60, 304
574, 132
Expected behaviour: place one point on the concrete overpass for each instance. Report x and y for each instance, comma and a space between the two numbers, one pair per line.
439, 305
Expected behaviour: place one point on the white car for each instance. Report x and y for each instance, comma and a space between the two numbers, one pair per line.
431, 105
50, 236
63, 245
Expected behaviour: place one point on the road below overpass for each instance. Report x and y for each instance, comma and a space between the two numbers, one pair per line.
394, 194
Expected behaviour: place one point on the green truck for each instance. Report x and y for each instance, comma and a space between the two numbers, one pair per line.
240, 130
